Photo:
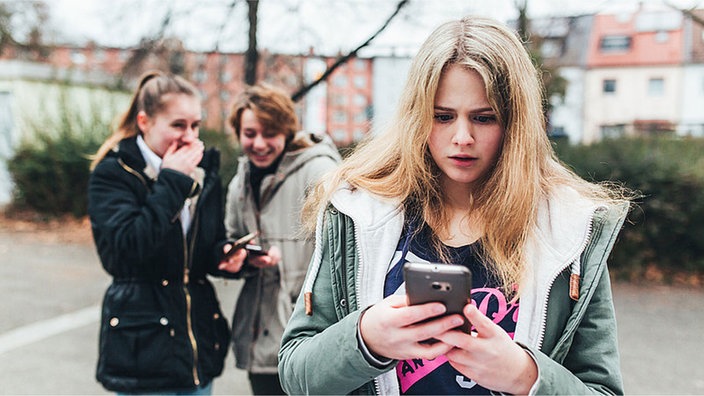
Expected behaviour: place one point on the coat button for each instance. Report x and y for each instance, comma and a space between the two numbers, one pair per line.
164, 282
164, 321
217, 346
343, 302
216, 316
114, 322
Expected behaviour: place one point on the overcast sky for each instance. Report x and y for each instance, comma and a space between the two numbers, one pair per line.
293, 26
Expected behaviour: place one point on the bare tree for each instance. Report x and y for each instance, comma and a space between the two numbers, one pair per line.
343, 59
553, 83
158, 51
251, 57
27, 36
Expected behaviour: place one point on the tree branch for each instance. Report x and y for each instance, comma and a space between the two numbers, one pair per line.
342, 60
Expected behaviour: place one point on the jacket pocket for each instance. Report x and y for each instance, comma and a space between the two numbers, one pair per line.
213, 344
138, 345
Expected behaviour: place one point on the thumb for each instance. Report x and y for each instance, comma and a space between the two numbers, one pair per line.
481, 323
171, 149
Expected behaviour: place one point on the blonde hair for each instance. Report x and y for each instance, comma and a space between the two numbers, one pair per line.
149, 97
396, 163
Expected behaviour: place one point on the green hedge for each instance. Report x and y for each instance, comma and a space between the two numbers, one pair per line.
666, 228
51, 171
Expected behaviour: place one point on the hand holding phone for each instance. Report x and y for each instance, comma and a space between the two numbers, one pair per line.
255, 250
445, 283
240, 244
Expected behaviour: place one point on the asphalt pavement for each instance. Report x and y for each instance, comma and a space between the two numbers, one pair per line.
52, 293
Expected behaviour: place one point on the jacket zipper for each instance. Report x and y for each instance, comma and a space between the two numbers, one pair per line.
133, 172
187, 257
377, 386
186, 269
585, 242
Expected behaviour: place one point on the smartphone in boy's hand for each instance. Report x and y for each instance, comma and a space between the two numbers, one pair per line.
255, 250
445, 283
240, 244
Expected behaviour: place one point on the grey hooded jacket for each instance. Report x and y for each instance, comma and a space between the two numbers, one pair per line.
268, 295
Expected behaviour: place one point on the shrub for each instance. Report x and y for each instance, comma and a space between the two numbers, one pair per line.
229, 153
50, 167
51, 175
666, 229
51, 171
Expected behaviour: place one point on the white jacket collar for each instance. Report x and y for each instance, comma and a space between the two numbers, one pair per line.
564, 226
378, 227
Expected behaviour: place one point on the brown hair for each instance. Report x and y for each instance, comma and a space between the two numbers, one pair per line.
149, 97
273, 108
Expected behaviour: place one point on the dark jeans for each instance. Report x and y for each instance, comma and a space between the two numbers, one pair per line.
265, 384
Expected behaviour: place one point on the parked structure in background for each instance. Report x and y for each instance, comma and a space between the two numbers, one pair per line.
629, 73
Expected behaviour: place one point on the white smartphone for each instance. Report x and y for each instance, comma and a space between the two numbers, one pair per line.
445, 283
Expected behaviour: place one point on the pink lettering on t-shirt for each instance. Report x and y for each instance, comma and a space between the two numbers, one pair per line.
413, 370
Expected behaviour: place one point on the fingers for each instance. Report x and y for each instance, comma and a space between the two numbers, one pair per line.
184, 158
484, 326
275, 254
234, 262
395, 330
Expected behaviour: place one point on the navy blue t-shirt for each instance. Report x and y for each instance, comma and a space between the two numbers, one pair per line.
425, 377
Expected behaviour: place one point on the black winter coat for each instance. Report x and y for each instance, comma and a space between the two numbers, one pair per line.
161, 327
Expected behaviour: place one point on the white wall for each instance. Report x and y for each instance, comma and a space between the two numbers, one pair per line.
692, 109
32, 103
568, 113
631, 101
389, 77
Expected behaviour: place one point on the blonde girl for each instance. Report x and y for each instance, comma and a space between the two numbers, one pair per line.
464, 174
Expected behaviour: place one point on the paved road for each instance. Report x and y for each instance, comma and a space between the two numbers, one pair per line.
49, 327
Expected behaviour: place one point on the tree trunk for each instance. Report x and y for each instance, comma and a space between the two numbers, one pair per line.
251, 58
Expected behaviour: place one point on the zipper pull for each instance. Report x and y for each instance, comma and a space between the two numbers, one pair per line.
308, 300
574, 287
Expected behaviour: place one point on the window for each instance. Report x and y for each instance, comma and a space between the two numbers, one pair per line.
360, 81
340, 81
339, 117
358, 134
661, 36
551, 48
360, 64
609, 86
100, 55
612, 131
656, 87
77, 57
360, 100
615, 43
339, 100
558, 132
339, 135
360, 117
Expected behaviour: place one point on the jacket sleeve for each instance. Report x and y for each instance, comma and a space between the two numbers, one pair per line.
319, 353
592, 364
126, 228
